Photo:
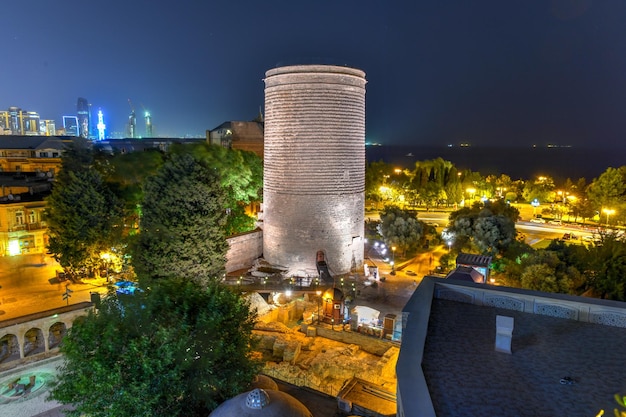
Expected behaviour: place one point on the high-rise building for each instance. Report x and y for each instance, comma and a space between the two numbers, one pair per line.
31, 124
101, 126
70, 124
84, 118
16, 121
47, 127
132, 124
148, 124
5, 125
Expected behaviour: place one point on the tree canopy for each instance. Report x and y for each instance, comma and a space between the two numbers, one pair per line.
400, 228
173, 350
82, 213
182, 223
488, 227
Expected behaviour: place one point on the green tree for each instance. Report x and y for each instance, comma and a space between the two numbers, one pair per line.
540, 189
489, 227
539, 277
608, 268
82, 212
493, 233
126, 175
241, 177
609, 188
400, 228
175, 350
182, 226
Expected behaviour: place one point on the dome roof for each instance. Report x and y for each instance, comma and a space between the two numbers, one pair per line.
261, 403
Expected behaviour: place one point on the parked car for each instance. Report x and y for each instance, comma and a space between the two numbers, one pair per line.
410, 273
568, 236
555, 222
537, 220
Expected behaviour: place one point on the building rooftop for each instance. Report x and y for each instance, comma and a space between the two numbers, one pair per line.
449, 328
467, 377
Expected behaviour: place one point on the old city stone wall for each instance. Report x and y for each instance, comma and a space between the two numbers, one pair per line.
243, 250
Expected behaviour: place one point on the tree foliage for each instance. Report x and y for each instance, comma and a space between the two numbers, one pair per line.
82, 213
175, 350
400, 228
241, 176
609, 189
488, 228
182, 226
607, 268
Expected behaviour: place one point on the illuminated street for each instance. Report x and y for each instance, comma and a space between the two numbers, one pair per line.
28, 285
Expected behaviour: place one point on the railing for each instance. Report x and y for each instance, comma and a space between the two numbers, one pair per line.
28, 226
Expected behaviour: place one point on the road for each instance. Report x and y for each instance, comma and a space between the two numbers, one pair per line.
28, 285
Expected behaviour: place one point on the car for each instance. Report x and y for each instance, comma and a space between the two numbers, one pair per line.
555, 222
568, 236
410, 273
537, 220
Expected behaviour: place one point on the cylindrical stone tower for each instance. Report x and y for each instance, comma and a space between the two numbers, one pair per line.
314, 167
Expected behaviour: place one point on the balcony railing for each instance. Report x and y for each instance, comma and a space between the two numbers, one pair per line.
28, 226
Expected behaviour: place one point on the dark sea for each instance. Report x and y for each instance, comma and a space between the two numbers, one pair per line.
518, 163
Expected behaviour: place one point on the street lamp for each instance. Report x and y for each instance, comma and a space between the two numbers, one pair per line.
535, 204
449, 245
608, 212
393, 259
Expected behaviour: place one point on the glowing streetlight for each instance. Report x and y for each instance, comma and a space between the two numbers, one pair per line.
608, 212
535, 204
393, 262
471, 192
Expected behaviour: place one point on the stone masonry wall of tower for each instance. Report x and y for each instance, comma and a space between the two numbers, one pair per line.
314, 167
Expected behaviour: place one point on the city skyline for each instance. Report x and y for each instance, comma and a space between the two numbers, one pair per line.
490, 73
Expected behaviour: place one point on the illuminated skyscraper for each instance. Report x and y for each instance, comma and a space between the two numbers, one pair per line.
101, 126
70, 124
31, 123
16, 121
148, 124
82, 111
47, 127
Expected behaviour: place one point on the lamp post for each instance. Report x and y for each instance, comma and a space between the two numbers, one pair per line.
608, 212
393, 260
535, 204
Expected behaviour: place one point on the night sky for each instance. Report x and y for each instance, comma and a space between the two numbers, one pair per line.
485, 71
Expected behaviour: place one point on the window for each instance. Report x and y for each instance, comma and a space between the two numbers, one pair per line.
32, 218
19, 217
